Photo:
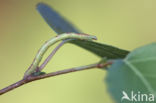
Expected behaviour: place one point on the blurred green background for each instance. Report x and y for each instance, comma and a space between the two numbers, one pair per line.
123, 23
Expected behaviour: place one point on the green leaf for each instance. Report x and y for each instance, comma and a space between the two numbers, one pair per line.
102, 50
61, 25
136, 73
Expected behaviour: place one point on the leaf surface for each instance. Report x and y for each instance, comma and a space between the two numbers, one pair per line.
137, 73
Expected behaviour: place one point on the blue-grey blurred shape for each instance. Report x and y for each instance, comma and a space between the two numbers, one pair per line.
54, 20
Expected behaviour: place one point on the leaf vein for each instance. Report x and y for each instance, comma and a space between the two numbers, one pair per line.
139, 74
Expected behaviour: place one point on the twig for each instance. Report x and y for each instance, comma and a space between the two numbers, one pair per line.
34, 78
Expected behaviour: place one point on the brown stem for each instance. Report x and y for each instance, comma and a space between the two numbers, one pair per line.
13, 86
34, 78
